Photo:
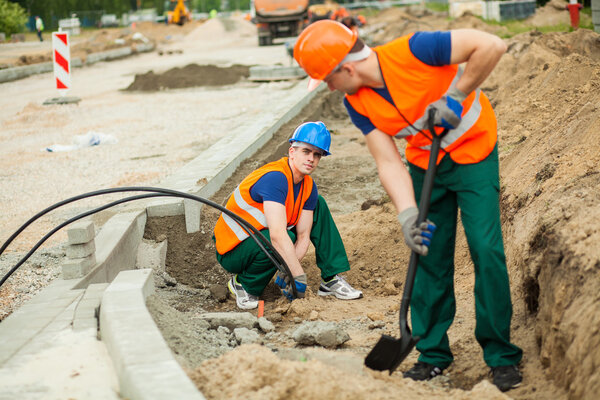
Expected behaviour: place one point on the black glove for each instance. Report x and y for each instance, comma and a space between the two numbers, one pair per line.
418, 238
283, 281
449, 109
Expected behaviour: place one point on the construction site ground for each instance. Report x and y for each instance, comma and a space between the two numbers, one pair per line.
546, 95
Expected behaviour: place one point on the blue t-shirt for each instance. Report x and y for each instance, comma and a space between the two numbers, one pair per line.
432, 48
273, 186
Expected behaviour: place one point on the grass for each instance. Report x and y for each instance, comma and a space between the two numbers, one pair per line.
512, 27
438, 7
515, 27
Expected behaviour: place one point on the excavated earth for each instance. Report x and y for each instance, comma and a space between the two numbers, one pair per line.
546, 94
189, 76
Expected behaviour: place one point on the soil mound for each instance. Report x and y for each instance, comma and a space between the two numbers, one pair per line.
395, 22
547, 105
189, 76
309, 379
554, 13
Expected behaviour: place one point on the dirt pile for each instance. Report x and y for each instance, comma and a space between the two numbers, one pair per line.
547, 102
267, 377
394, 22
189, 76
555, 12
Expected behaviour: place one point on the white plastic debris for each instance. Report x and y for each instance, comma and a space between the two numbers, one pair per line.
89, 139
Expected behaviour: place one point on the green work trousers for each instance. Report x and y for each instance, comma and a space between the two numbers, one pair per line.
474, 188
255, 270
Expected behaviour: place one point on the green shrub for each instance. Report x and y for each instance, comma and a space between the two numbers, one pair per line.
12, 17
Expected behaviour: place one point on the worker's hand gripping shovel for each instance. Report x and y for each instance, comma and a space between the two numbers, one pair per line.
389, 352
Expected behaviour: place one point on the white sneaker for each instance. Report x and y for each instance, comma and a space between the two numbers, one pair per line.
244, 300
339, 288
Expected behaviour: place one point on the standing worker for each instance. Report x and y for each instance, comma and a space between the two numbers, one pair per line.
281, 200
389, 92
39, 27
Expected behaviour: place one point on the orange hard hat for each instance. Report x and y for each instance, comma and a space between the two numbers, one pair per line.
322, 46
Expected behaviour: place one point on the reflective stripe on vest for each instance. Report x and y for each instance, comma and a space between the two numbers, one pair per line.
237, 230
413, 86
228, 233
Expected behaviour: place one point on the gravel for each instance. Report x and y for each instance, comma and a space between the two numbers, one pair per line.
35, 274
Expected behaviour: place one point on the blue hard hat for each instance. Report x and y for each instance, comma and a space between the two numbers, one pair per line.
314, 133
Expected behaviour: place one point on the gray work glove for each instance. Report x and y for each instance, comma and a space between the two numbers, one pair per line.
283, 281
449, 109
418, 238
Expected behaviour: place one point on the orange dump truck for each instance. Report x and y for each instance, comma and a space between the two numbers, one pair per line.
279, 18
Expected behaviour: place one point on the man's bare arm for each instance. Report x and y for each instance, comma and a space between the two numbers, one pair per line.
392, 172
480, 50
277, 224
303, 233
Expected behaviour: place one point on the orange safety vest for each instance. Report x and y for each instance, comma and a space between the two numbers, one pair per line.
414, 85
228, 233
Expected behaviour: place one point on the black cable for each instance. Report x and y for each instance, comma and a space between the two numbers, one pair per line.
170, 192
275, 258
67, 222
256, 235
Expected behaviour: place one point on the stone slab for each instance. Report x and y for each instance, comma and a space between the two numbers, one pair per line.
129, 331
81, 232
73, 268
81, 250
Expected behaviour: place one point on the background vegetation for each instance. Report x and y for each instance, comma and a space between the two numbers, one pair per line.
12, 17
16, 15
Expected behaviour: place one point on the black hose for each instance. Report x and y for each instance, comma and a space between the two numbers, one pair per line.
60, 226
256, 235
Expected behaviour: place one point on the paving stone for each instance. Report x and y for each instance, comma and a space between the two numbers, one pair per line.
81, 232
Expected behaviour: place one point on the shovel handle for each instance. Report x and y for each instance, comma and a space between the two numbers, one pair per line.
423, 210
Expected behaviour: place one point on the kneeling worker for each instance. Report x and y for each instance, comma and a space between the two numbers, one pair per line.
281, 200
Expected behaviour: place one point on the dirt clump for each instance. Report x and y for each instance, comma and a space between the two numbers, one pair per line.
189, 76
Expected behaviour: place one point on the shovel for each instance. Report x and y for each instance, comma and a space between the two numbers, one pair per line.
389, 352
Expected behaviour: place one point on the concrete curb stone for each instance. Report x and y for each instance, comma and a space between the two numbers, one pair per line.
16, 73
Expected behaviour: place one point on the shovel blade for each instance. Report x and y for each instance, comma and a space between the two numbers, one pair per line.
389, 352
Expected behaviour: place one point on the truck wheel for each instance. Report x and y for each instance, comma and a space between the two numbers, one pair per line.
265, 40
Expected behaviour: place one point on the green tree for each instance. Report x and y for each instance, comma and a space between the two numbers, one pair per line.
206, 5
12, 17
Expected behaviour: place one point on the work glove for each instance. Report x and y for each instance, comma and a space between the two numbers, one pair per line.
283, 281
448, 109
418, 238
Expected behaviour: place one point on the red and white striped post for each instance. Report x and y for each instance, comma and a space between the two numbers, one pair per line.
62, 61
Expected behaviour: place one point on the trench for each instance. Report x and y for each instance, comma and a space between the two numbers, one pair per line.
196, 284
548, 205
